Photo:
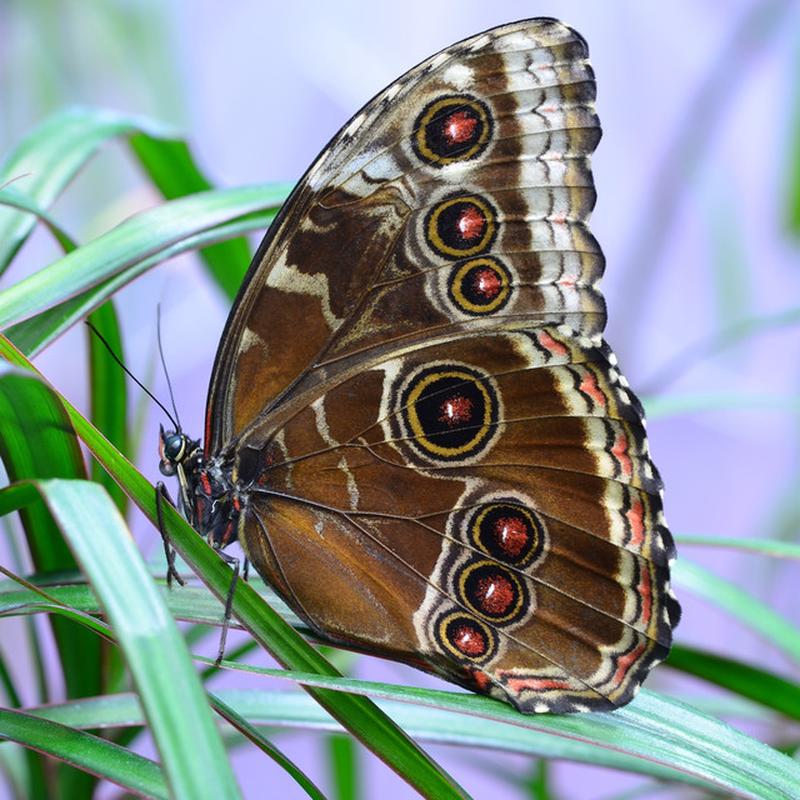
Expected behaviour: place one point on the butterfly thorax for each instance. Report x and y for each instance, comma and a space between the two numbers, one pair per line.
209, 496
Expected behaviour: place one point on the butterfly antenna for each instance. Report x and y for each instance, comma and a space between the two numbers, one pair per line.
131, 375
164, 365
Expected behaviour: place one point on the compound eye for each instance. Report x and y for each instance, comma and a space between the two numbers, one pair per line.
173, 447
166, 468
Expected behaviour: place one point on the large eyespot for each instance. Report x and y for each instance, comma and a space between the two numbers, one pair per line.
492, 591
461, 226
450, 412
466, 637
508, 531
479, 286
452, 128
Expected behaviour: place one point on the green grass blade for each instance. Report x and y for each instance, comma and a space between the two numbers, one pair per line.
260, 741
751, 612
764, 547
172, 169
660, 731
754, 683
652, 736
673, 405
196, 765
793, 161
343, 766
12, 198
371, 726
45, 161
85, 752
192, 604
137, 238
37, 441
34, 334
108, 393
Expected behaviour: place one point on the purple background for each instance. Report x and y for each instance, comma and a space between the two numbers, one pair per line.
697, 104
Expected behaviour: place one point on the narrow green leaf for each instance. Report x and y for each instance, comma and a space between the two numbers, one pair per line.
748, 681
34, 334
108, 393
764, 547
263, 744
537, 785
11, 197
167, 683
658, 730
670, 740
173, 170
45, 161
37, 440
191, 604
748, 610
793, 160
343, 765
673, 405
137, 238
85, 752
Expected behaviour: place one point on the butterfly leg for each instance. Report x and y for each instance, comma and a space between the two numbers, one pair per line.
233, 562
162, 496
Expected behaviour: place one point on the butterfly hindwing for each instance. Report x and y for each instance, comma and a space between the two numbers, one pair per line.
495, 491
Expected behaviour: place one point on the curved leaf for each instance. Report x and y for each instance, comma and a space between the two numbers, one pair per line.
141, 236
171, 694
84, 751
45, 161
34, 334
740, 604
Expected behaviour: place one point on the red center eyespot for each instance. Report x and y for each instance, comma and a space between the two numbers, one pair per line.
512, 534
456, 410
459, 127
494, 594
471, 223
487, 283
469, 640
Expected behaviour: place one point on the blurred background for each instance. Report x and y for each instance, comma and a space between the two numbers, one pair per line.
698, 179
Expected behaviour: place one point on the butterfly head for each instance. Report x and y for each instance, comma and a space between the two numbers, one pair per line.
175, 449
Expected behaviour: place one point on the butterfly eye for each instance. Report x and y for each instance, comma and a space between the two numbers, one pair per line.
173, 449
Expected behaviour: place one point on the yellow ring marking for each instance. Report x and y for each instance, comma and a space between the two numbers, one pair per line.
462, 301
486, 630
438, 244
462, 590
416, 425
435, 108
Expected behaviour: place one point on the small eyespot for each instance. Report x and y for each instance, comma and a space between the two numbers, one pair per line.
452, 128
479, 286
461, 226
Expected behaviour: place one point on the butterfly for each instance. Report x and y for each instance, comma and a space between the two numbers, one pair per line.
414, 427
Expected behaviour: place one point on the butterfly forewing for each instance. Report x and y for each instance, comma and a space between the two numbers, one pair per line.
435, 455
456, 199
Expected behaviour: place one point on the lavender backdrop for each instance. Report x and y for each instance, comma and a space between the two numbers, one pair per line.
699, 101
